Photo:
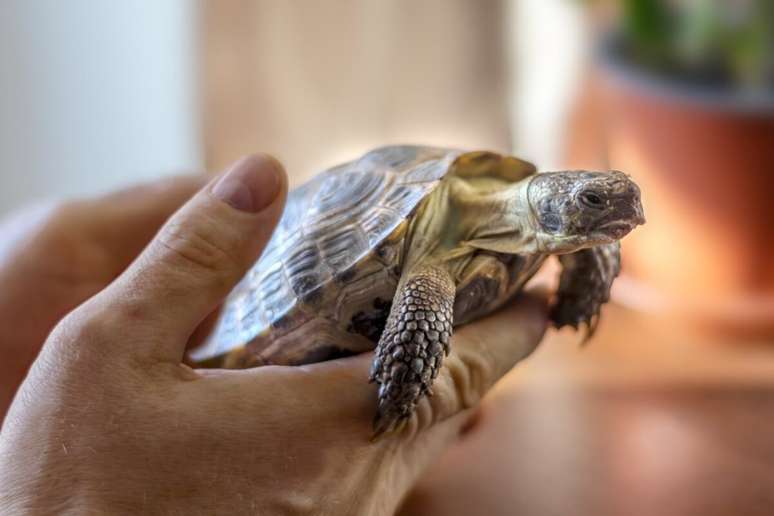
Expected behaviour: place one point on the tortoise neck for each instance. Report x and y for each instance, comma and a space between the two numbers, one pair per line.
462, 216
498, 219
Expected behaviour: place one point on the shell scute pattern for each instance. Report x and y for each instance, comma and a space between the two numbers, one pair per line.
275, 294
339, 247
345, 194
395, 157
305, 269
421, 173
378, 222
329, 225
404, 195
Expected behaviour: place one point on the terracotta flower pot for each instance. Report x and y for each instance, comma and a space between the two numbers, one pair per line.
705, 162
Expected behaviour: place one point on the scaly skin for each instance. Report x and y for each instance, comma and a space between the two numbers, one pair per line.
584, 286
412, 347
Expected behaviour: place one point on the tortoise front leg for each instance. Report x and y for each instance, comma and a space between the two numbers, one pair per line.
584, 285
413, 344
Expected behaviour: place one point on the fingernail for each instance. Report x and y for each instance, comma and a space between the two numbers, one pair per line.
251, 184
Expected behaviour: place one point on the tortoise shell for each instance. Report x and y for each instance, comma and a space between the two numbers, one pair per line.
332, 226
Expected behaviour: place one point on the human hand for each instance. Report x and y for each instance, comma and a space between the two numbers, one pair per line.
110, 421
55, 256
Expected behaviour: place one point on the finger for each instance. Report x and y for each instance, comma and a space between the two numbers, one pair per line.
482, 352
330, 405
103, 234
203, 331
198, 257
129, 218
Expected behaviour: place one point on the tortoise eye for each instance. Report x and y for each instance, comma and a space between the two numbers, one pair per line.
592, 200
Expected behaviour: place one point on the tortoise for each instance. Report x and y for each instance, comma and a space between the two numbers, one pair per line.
392, 250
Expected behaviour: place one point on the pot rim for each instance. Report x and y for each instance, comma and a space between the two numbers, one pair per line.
622, 72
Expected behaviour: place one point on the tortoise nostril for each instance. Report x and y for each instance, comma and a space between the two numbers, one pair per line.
638, 215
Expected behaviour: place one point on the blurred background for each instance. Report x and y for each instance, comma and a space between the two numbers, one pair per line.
669, 411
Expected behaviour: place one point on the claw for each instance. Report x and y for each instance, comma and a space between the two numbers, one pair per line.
586, 334
386, 424
590, 329
584, 286
375, 369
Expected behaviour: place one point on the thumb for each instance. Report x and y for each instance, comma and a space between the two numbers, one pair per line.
198, 256
139, 211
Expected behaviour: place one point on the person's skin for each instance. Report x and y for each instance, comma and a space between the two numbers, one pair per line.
55, 256
109, 421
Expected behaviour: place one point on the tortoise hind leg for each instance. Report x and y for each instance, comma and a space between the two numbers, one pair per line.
413, 344
584, 286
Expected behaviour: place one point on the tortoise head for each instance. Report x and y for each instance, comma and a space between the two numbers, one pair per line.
579, 209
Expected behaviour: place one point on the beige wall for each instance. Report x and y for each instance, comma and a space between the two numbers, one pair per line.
318, 82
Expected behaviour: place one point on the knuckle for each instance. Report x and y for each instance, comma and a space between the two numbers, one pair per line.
463, 382
91, 344
81, 327
198, 245
429, 411
79, 338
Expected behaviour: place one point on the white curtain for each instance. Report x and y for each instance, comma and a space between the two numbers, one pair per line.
95, 94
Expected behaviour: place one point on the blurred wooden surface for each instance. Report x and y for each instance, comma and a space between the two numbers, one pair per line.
657, 416
652, 418
316, 85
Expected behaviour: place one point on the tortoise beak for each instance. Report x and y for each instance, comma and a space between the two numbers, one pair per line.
639, 214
